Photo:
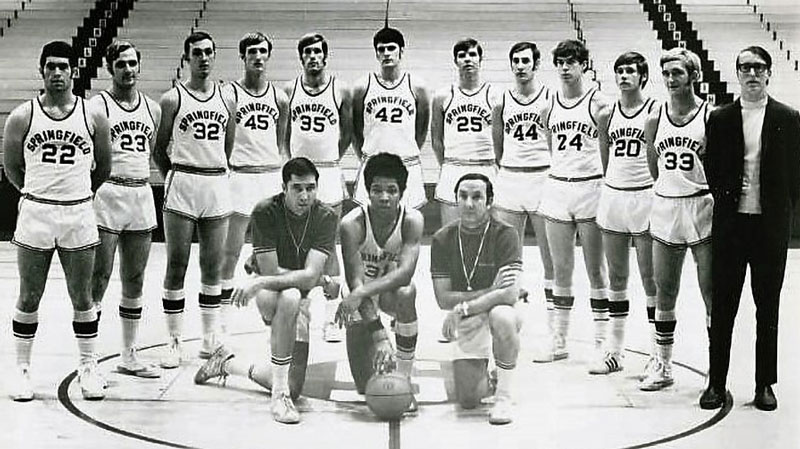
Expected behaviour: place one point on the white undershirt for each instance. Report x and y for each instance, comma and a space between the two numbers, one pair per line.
752, 123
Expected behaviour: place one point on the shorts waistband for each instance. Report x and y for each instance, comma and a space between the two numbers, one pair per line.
525, 169
127, 182
206, 171
326, 164
703, 192
37, 199
407, 160
576, 178
469, 162
630, 189
255, 168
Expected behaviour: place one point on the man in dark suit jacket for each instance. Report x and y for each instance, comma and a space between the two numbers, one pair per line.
753, 168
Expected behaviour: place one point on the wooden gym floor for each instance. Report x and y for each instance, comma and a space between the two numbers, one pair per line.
558, 405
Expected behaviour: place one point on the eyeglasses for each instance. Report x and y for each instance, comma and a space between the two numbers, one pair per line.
757, 67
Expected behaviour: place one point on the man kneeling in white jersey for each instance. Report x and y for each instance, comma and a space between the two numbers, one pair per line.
380, 248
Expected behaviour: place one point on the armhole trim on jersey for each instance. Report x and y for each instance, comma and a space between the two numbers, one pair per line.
410, 88
661, 110
28, 128
333, 94
275, 96
149, 112
105, 103
613, 110
452, 97
178, 108
589, 107
488, 103
235, 93
503, 104
369, 83
652, 103
550, 112
85, 119
294, 90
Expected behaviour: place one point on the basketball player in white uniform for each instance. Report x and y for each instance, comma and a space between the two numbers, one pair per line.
320, 129
56, 151
197, 124
682, 206
461, 126
380, 248
258, 149
124, 206
576, 120
522, 152
624, 210
390, 114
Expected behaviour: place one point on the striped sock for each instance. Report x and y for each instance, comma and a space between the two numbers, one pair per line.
130, 315
209, 300
280, 374
405, 339
505, 378
225, 304
24, 325
174, 302
651, 321
599, 301
665, 334
84, 324
618, 306
562, 306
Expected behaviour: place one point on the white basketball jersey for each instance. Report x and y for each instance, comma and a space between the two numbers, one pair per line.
468, 125
679, 149
390, 116
256, 140
58, 154
379, 260
131, 133
627, 152
574, 139
198, 133
314, 121
524, 136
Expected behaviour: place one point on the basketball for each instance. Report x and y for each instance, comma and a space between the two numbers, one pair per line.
388, 395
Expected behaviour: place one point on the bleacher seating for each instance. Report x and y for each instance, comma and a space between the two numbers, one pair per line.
714, 21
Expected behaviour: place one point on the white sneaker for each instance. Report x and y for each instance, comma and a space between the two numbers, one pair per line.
332, 333
172, 359
21, 388
659, 378
131, 366
502, 411
283, 409
556, 350
91, 382
214, 367
611, 362
210, 345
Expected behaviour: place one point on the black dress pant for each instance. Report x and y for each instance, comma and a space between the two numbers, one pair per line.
739, 240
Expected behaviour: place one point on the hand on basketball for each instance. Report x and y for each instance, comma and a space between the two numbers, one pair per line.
384, 361
246, 289
450, 325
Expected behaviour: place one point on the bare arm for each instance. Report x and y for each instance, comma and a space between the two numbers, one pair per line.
288, 90
13, 156
359, 91
169, 107
423, 114
650, 127
477, 301
601, 111
437, 127
345, 118
155, 109
497, 131
230, 128
272, 277
283, 123
102, 147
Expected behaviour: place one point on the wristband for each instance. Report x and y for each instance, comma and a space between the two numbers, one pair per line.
375, 325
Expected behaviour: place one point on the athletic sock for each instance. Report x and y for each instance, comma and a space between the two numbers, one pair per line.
130, 315
665, 334
598, 297
24, 325
225, 304
562, 305
550, 308
618, 306
651, 321
280, 374
209, 300
505, 378
406, 341
174, 302
84, 324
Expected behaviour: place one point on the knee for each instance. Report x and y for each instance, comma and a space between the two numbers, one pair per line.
407, 299
289, 302
503, 324
617, 281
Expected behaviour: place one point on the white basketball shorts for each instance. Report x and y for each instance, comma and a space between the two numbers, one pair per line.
571, 201
624, 211
682, 221
44, 226
519, 190
197, 196
248, 188
122, 206
453, 170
